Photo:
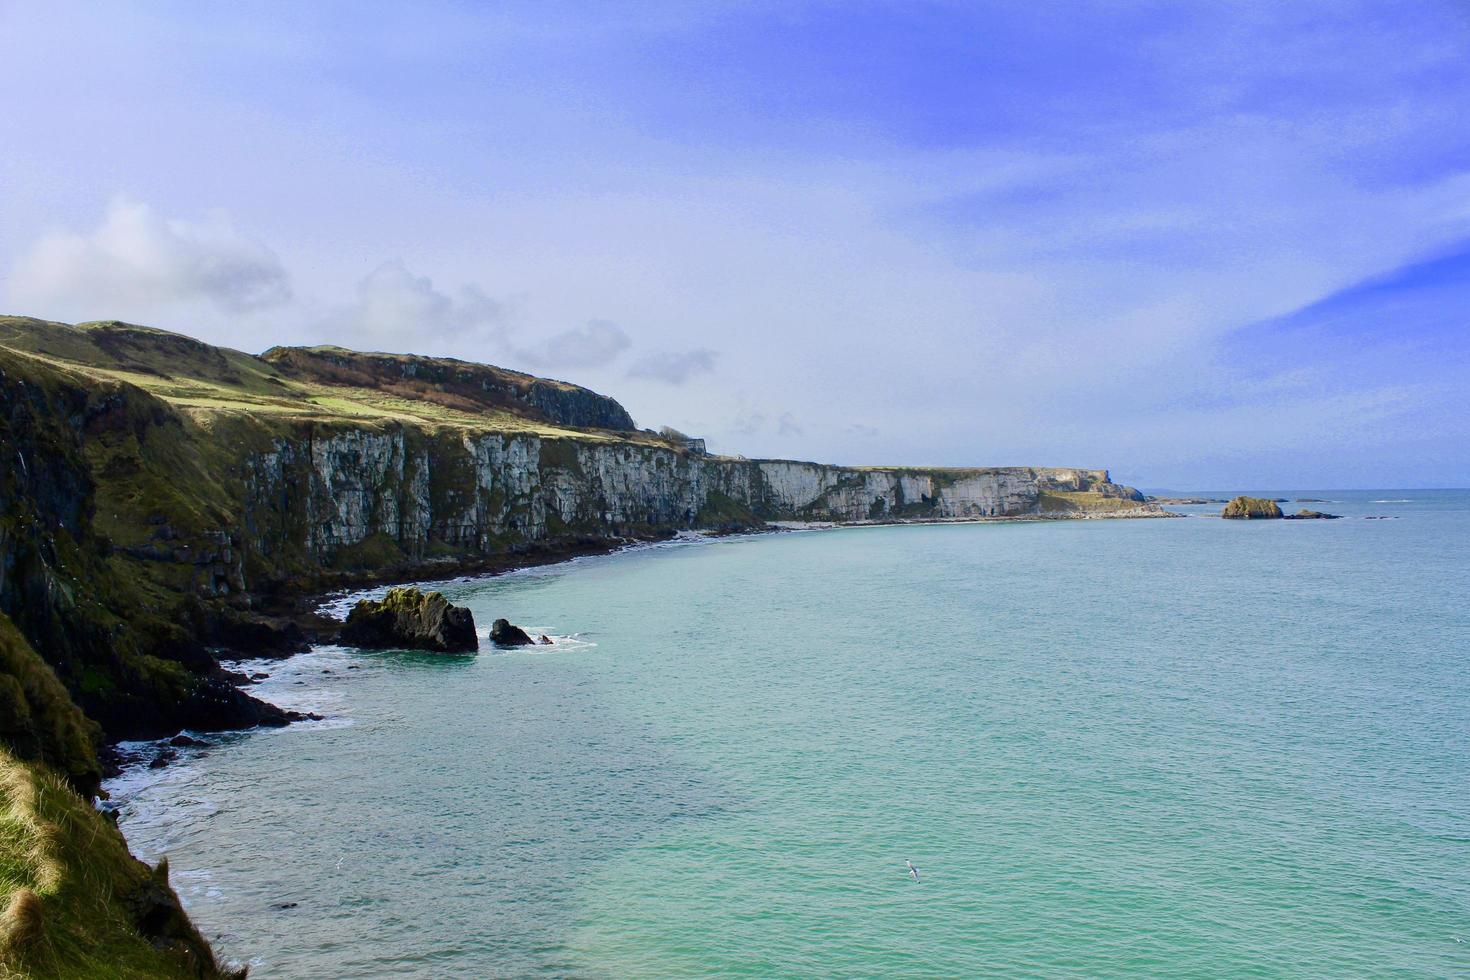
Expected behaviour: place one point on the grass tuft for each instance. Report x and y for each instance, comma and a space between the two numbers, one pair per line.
22, 924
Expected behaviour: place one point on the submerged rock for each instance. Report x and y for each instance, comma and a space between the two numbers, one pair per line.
1312, 515
407, 619
1251, 509
544, 640
503, 634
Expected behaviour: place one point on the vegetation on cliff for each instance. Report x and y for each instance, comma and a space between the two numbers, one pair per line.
39, 722
76, 904
321, 384
109, 542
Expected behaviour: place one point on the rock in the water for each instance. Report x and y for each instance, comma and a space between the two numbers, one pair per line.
1312, 515
1251, 509
503, 634
407, 619
544, 640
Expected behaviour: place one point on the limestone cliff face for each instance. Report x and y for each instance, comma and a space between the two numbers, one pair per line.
433, 493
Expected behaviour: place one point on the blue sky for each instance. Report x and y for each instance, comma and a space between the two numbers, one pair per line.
1207, 245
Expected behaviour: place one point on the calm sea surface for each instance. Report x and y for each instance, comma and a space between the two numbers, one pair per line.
1112, 748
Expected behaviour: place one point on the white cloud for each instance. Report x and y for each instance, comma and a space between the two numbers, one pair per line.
674, 368
137, 260
396, 306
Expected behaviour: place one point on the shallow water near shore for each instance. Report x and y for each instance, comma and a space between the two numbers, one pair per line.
1112, 748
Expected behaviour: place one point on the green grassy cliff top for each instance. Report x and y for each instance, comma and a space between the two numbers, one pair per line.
319, 384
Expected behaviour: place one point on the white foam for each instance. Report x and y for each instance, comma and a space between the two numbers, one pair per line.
560, 643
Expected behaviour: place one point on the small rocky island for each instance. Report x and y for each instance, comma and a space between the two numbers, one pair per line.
1251, 509
1258, 508
407, 619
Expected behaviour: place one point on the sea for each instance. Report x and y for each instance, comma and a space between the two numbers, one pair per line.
1108, 748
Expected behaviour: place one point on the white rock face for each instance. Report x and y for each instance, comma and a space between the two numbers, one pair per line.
481, 493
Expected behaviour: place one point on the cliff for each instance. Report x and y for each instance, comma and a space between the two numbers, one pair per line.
163, 491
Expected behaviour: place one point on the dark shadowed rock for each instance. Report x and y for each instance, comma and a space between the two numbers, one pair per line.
1312, 515
544, 640
407, 619
503, 634
1251, 509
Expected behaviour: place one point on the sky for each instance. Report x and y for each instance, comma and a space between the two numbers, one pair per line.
1206, 245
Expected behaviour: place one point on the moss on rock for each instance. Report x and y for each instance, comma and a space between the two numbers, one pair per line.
408, 619
38, 719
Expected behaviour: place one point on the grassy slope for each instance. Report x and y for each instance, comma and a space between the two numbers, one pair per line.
76, 903
202, 380
73, 901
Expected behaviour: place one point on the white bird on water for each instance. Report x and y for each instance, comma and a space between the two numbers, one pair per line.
913, 870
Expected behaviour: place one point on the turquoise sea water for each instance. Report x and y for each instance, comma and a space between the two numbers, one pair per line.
1112, 748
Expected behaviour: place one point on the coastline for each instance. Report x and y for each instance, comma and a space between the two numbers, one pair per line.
318, 613
372, 716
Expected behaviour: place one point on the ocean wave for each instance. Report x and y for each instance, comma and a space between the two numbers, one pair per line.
1398, 501
560, 643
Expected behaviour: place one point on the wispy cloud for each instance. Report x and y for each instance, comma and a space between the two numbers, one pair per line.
139, 260
594, 345
674, 368
397, 307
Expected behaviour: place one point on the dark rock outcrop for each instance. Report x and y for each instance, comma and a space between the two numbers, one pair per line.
503, 634
1312, 515
407, 619
1251, 509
